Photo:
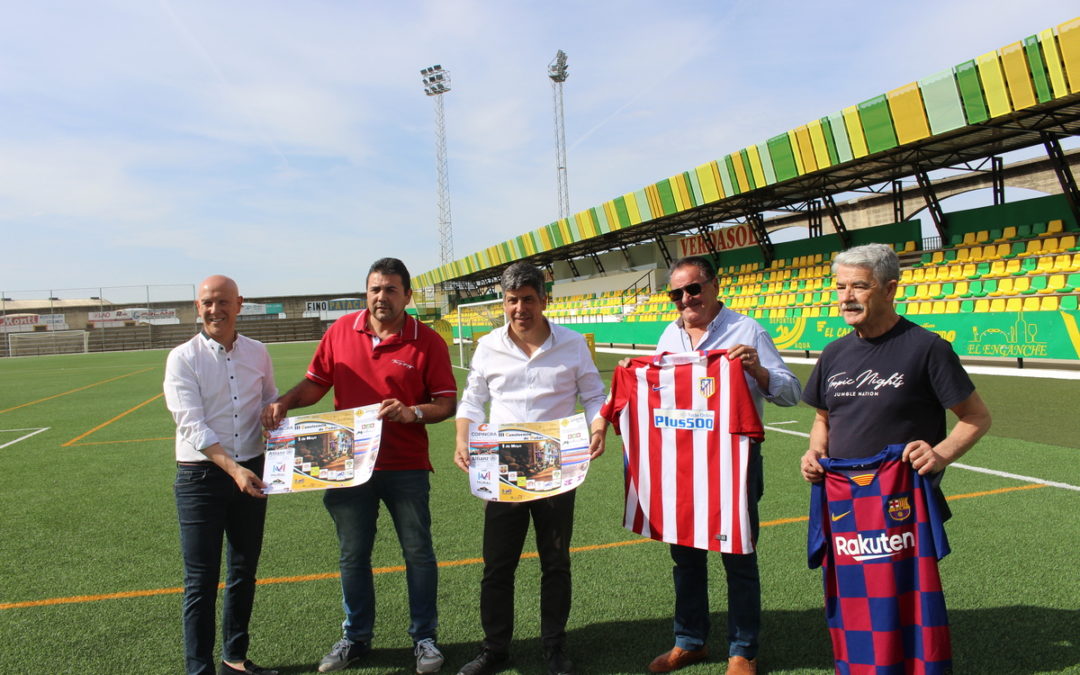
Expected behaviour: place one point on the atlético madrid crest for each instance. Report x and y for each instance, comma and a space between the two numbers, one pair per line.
899, 508
707, 386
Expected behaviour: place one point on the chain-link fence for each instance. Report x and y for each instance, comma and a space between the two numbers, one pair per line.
110, 318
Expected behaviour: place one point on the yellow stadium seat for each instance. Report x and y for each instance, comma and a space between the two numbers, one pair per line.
1045, 265
959, 290
963, 254
1051, 245
1053, 227
1068, 242
1049, 304
969, 238
998, 304
1012, 266
991, 252
1054, 284
913, 308
918, 275
1009, 232
982, 236
1031, 304
1014, 304
922, 292
982, 305
997, 268
1021, 284
952, 307
1034, 247
905, 276
970, 270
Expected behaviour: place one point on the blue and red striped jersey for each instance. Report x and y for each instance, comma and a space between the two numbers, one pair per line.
877, 531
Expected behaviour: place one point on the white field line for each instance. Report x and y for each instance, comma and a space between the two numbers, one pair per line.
967, 467
33, 431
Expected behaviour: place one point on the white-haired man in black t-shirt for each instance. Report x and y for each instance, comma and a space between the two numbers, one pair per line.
889, 381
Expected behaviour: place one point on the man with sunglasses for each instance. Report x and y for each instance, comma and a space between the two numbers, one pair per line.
704, 323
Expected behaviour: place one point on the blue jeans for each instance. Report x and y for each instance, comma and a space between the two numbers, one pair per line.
691, 575
209, 505
355, 511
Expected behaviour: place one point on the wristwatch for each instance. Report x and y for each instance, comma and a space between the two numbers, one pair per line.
419, 414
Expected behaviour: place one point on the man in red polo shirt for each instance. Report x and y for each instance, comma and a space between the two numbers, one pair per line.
383, 355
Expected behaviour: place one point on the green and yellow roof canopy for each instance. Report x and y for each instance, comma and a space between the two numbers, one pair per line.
1035, 70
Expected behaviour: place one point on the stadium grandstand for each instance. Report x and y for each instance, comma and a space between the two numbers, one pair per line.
996, 281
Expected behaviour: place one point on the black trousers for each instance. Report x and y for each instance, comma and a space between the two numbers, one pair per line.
505, 527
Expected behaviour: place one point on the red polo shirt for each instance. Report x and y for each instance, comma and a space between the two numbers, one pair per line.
412, 366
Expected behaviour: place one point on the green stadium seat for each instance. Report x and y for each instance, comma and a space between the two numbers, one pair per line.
1037, 284
1017, 248
989, 287
956, 239
1027, 266
1069, 303
1072, 284
995, 235
1038, 229
967, 306
975, 289
944, 290
901, 308
981, 270
1023, 231
950, 255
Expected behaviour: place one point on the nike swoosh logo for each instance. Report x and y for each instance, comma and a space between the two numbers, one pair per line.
838, 517
658, 387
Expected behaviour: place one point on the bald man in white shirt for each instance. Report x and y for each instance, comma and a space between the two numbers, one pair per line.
216, 385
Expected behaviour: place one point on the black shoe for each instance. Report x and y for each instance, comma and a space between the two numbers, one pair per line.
249, 669
557, 662
486, 663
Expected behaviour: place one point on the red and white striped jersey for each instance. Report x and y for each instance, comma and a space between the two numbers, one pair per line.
686, 421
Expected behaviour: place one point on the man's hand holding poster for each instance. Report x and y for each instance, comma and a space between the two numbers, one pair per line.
518, 462
322, 450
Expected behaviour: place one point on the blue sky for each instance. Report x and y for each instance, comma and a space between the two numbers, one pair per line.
289, 144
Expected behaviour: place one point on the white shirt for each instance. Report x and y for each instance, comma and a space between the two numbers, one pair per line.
540, 388
728, 329
216, 396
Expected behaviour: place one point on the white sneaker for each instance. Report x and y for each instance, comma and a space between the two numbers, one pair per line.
428, 657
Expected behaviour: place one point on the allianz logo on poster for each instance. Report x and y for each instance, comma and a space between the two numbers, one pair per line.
694, 420
861, 547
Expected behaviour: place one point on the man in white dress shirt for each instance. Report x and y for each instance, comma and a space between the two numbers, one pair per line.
216, 385
529, 371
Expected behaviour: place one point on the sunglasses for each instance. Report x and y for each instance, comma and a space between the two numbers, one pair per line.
676, 294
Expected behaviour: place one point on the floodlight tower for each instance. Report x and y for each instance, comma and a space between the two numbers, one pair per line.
557, 71
436, 83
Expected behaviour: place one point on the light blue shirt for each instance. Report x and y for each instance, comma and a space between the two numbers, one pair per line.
728, 329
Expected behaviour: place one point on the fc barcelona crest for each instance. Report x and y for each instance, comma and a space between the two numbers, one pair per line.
707, 386
900, 508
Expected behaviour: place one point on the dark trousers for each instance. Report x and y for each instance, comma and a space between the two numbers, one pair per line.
505, 527
211, 507
691, 577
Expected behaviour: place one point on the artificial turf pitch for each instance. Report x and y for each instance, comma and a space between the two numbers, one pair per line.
90, 568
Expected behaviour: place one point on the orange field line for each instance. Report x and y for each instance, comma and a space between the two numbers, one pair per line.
126, 440
105, 424
94, 384
322, 576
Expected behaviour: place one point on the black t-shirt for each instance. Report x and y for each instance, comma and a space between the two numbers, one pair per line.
890, 389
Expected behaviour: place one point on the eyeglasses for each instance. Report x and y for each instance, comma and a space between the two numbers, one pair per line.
676, 294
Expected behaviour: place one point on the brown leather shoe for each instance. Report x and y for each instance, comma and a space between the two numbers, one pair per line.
677, 658
740, 665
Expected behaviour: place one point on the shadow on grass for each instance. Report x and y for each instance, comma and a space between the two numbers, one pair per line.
1019, 640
